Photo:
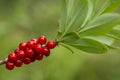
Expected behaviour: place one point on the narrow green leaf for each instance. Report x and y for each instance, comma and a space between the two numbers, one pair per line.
75, 11
70, 37
115, 33
114, 5
113, 36
63, 16
101, 25
105, 5
59, 33
89, 45
113, 47
89, 12
108, 41
102, 39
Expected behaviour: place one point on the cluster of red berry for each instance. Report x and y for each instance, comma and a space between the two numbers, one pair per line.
28, 52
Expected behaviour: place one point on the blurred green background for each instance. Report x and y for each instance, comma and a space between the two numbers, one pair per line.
21, 20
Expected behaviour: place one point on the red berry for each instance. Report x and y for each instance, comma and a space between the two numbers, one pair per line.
18, 63
30, 44
16, 50
32, 59
12, 57
35, 41
10, 65
20, 54
39, 57
51, 44
46, 51
29, 52
42, 39
38, 49
26, 61
22, 46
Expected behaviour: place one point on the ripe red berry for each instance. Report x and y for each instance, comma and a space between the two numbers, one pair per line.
20, 54
18, 63
38, 49
10, 65
51, 44
12, 57
35, 41
26, 61
42, 39
16, 50
30, 44
46, 51
39, 57
32, 59
29, 52
22, 46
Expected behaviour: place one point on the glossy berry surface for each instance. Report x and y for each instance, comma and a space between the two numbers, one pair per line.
26, 61
35, 41
18, 63
20, 54
16, 50
39, 57
42, 39
51, 44
10, 65
38, 49
12, 57
29, 52
46, 51
30, 44
22, 46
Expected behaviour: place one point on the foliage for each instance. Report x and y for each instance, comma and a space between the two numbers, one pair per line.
90, 25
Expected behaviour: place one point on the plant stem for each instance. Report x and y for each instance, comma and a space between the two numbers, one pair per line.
3, 61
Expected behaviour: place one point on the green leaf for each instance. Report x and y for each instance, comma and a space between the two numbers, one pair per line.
63, 16
59, 33
89, 45
113, 47
79, 13
107, 6
115, 33
114, 5
106, 40
101, 25
89, 12
100, 9
70, 37
113, 36
73, 15
102, 39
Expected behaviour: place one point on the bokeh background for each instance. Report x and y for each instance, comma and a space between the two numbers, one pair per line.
21, 20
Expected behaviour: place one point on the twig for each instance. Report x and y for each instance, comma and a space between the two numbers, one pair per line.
3, 61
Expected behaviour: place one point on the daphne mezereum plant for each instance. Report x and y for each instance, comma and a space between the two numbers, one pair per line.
91, 26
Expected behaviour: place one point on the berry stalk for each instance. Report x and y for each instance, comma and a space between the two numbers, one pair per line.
3, 61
